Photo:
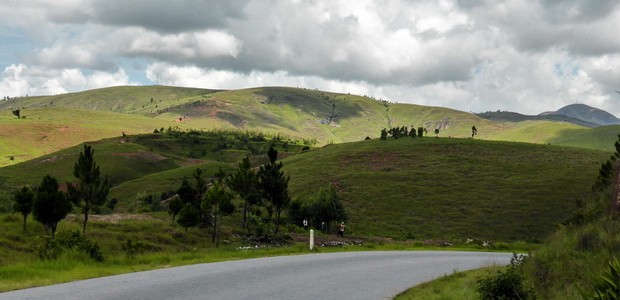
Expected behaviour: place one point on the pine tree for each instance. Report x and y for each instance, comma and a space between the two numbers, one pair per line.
50, 204
274, 184
91, 191
24, 199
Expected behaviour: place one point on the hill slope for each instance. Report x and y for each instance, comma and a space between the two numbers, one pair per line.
423, 187
587, 113
55, 122
449, 188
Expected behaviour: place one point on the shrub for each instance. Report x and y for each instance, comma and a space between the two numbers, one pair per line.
132, 248
507, 284
607, 286
51, 248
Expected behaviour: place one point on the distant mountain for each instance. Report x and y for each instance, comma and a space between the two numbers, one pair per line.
578, 114
507, 116
586, 113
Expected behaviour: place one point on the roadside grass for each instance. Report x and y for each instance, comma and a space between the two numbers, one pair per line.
455, 286
162, 243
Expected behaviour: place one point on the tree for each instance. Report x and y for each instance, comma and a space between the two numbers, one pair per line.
91, 191
218, 200
420, 131
474, 131
384, 134
175, 205
194, 194
412, 133
24, 198
16, 112
189, 216
328, 207
437, 132
50, 204
245, 183
274, 184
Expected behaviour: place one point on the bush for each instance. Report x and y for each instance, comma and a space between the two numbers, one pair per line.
132, 248
507, 284
51, 248
607, 286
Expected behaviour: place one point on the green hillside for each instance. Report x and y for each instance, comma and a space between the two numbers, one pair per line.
55, 122
449, 188
423, 187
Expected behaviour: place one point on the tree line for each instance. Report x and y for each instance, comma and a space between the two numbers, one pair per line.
264, 197
262, 191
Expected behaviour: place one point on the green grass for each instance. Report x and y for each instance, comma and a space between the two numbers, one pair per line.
57, 122
165, 245
449, 188
455, 286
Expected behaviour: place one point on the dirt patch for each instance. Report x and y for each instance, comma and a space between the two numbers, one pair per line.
148, 156
188, 162
112, 218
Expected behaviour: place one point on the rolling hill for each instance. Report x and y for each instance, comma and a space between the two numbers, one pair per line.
53, 123
423, 187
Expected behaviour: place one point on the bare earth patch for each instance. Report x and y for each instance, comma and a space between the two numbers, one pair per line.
112, 218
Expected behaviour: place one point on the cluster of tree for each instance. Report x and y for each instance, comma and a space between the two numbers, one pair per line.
265, 190
49, 205
398, 132
321, 213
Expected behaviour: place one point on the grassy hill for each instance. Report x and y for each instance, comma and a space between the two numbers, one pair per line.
56, 122
449, 188
422, 187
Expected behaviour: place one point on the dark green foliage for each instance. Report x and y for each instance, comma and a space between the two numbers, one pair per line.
50, 204
274, 184
51, 248
218, 200
384, 134
193, 195
132, 248
24, 199
91, 191
189, 216
174, 207
16, 112
412, 132
504, 285
244, 182
421, 131
328, 208
607, 286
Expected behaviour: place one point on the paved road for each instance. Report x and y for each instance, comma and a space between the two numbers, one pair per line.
345, 275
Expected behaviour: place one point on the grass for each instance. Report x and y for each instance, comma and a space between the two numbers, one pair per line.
449, 188
56, 122
164, 245
455, 286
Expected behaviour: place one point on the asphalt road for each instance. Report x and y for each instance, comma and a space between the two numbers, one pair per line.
345, 275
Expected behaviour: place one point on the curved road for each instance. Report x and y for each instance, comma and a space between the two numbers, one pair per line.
344, 275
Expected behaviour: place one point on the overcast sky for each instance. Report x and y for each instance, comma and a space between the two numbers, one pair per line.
517, 55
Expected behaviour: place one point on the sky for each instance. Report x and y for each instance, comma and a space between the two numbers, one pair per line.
514, 55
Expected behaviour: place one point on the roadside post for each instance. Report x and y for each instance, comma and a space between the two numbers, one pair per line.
311, 239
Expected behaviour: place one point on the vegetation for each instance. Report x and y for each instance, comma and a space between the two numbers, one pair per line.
50, 205
91, 191
61, 121
421, 191
24, 198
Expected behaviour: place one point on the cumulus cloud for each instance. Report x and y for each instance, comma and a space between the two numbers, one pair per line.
526, 56
21, 80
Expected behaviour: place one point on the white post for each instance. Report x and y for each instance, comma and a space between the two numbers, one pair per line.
311, 239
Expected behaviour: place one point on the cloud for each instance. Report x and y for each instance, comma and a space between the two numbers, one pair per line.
526, 56
21, 80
